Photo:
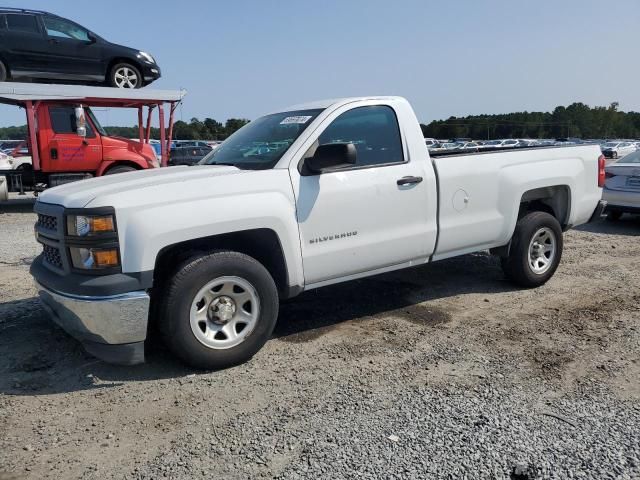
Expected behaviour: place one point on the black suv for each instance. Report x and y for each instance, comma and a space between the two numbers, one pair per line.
37, 45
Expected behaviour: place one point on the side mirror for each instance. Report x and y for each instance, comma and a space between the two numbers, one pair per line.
92, 38
331, 155
81, 122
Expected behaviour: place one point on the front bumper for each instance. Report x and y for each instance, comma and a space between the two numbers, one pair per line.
151, 73
610, 154
112, 328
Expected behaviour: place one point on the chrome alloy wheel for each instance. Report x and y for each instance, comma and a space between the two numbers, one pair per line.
126, 77
542, 250
224, 312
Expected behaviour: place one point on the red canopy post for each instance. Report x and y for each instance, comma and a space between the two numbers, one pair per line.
140, 125
170, 135
149, 111
163, 145
31, 127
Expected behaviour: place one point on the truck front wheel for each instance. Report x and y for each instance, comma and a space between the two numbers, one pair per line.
218, 309
535, 251
120, 169
125, 75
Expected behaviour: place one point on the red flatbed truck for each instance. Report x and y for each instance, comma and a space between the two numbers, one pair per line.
61, 152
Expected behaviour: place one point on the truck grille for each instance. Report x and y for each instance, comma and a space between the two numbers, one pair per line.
48, 222
52, 256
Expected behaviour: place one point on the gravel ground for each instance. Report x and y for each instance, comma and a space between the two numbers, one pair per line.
443, 371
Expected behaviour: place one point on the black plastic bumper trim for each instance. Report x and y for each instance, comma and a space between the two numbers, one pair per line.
87, 285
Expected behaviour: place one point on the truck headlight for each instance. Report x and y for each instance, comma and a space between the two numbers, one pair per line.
90, 225
94, 258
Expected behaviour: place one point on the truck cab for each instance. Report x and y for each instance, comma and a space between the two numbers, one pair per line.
62, 149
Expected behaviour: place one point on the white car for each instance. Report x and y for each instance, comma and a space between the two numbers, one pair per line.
617, 149
500, 143
430, 142
313, 195
622, 186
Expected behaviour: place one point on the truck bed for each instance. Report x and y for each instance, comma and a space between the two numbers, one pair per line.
476, 191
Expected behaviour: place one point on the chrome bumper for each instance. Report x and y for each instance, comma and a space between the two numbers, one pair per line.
113, 328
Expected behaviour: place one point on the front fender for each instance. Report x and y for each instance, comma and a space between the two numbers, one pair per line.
144, 232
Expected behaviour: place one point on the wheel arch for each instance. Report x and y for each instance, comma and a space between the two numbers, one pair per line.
262, 244
555, 200
106, 166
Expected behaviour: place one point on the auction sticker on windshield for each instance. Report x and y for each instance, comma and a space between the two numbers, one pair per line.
299, 119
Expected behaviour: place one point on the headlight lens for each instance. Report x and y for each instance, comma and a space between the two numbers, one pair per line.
146, 57
90, 225
94, 258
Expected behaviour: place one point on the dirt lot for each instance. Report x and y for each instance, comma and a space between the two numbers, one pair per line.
441, 371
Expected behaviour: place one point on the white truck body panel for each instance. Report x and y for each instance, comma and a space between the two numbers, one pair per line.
477, 192
464, 203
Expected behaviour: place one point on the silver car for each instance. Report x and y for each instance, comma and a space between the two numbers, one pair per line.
622, 186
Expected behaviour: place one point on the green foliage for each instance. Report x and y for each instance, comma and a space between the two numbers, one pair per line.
576, 120
209, 129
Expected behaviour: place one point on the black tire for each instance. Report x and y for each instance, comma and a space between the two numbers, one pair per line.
3, 72
118, 69
120, 169
176, 297
516, 265
614, 215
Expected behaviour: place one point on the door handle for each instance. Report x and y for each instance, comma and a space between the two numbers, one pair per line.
408, 181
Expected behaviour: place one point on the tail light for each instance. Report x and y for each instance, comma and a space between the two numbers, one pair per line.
601, 172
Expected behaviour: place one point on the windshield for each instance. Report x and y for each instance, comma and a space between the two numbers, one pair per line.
95, 122
610, 144
260, 144
631, 158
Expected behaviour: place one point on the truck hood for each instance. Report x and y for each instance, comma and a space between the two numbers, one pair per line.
155, 185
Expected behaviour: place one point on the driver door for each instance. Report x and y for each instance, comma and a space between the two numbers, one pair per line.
363, 217
65, 151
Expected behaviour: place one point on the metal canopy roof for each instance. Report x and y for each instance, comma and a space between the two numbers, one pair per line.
17, 93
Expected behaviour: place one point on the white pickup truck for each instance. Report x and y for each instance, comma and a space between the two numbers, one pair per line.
313, 195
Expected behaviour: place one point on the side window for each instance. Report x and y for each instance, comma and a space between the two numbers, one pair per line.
63, 121
22, 23
58, 27
373, 130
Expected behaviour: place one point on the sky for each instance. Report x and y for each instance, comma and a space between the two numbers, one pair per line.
244, 58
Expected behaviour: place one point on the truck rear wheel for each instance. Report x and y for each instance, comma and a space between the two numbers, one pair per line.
535, 251
218, 309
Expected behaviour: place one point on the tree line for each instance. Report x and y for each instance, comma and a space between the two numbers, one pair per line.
577, 120
207, 129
